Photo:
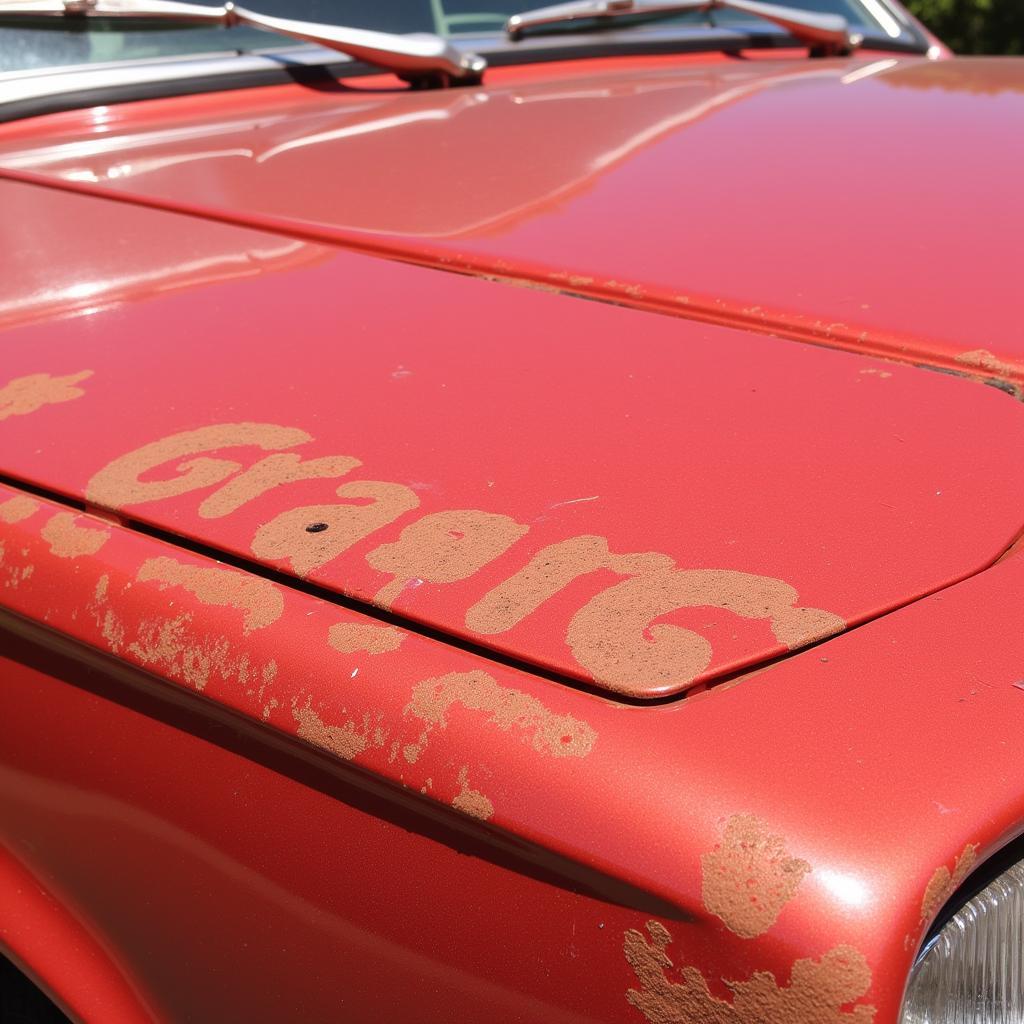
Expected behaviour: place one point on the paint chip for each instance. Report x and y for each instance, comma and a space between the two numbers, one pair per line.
70, 539
749, 877
27, 394
350, 637
344, 740
944, 882
17, 509
260, 600
982, 359
471, 801
548, 733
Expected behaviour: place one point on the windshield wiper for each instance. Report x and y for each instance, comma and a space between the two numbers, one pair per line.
422, 59
824, 34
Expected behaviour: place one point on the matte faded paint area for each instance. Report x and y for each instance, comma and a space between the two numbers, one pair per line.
248, 796
625, 499
870, 203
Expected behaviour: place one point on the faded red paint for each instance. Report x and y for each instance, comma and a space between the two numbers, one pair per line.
825, 738
731, 497
209, 776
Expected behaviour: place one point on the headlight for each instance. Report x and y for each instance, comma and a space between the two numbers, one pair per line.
972, 971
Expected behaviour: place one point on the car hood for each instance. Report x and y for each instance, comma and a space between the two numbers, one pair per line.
612, 497
870, 203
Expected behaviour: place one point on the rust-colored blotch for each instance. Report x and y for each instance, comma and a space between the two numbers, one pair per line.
749, 877
944, 882
27, 394
816, 994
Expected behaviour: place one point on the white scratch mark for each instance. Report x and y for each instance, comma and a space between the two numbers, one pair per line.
574, 501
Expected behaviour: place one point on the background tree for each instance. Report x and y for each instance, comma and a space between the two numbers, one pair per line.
975, 26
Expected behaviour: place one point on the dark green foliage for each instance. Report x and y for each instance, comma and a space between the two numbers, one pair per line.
975, 26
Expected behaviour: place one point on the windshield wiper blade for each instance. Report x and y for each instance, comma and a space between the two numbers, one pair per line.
422, 59
824, 34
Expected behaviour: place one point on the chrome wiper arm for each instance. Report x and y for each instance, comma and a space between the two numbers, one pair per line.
422, 59
824, 34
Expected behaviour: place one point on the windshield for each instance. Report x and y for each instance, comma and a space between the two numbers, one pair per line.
45, 43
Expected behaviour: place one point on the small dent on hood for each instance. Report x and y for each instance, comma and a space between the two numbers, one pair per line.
18, 509
27, 394
351, 637
548, 733
816, 994
944, 882
471, 801
260, 600
443, 547
314, 535
749, 877
69, 539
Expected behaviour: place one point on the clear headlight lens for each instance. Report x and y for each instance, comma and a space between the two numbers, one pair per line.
972, 972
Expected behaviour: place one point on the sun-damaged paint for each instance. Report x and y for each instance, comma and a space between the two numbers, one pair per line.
656, 521
834, 758
225, 793
840, 202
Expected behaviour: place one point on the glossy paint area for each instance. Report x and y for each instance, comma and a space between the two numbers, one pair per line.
538, 475
869, 203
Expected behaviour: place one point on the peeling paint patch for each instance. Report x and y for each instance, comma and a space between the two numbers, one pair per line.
443, 547
616, 638
471, 801
260, 600
17, 509
874, 372
173, 647
547, 732
170, 646
982, 359
13, 575
271, 472
314, 535
69, 539
609, 635
350, 637
27, 394
944, 882
119, 484
816, 994
549, 571
344, 740
749, 877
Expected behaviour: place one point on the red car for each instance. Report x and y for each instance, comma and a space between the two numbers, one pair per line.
389, 633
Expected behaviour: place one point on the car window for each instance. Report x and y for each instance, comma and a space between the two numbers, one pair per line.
42, 43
